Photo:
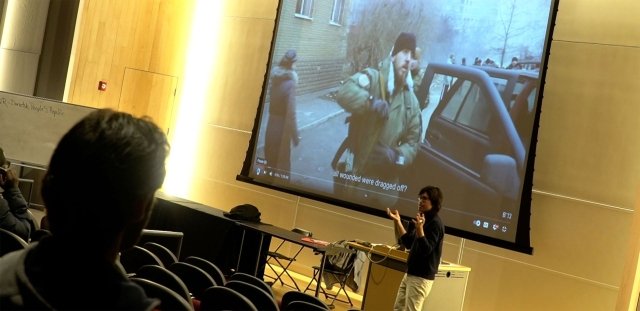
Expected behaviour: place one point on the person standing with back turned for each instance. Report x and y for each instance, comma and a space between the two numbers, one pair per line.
98, 191
282, 127
425, 241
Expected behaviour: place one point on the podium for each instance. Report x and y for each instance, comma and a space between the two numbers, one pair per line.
386, 269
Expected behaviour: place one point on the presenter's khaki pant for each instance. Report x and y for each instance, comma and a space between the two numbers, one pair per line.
412, 292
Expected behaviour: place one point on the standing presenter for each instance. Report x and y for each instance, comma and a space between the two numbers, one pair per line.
424, 241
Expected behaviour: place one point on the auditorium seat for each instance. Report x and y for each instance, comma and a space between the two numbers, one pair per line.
10, 242
208, 267
136, 257
260, 298
223, 298
196, 279
248, 278
163, 253
166, 278
299, 305
170, 300
292, 296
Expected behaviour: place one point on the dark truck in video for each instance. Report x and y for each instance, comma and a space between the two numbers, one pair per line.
477, 125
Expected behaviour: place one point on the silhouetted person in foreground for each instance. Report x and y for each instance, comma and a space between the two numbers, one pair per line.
98, 191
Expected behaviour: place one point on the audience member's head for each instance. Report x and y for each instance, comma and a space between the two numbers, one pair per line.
102, 178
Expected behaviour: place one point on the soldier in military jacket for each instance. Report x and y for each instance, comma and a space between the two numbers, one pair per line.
384, 126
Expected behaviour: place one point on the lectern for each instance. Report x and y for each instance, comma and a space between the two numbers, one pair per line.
386, 269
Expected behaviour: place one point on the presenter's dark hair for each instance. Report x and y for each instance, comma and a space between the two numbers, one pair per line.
105, 163
436, 198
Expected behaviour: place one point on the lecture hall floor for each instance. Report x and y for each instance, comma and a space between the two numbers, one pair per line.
303, 280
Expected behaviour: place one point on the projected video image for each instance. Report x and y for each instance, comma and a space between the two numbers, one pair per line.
367, 101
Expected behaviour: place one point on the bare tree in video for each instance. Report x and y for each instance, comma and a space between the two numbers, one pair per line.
510, 31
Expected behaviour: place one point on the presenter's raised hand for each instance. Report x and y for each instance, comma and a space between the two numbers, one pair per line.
419, 222
395, 215
419, 218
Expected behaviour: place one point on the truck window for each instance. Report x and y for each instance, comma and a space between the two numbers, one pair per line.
475, 113
468, 107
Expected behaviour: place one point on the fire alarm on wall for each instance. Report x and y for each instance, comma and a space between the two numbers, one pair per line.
102, 86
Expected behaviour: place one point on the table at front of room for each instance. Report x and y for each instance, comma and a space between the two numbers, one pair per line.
267, 231
232, 245
386, 269
209, 234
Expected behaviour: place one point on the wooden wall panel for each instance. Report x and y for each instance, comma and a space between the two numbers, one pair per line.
597, 21
94, 54
224, 196
148, 35
240, 68
220, 151
148, 94
125, 48
171, 37
219, 159
263, 9
501, 283
559, 225
584, 146
145, 25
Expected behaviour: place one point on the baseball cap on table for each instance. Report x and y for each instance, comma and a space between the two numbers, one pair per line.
246, 212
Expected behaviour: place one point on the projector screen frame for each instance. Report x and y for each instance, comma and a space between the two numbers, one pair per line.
521, 242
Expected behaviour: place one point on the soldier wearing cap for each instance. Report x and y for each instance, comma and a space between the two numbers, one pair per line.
282, 126
384, 124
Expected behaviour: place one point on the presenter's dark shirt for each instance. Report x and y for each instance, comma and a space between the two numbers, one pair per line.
424, 253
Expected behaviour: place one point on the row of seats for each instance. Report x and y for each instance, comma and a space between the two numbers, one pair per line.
198, 284
10, 241
152, 262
